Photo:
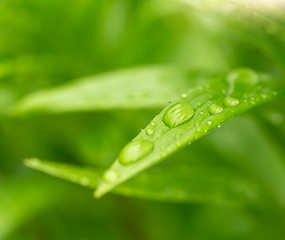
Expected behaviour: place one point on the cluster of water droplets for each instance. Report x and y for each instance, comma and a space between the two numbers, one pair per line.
180, 113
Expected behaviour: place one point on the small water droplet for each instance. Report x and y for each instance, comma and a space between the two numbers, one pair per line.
149, 132
199, 104
178, 114
201, 113
209, 122
230, 102
141, 130
152, 124
263, 96
215, 109
184, 95
219, 126
178, 136
134, 151
110, 175
197, 124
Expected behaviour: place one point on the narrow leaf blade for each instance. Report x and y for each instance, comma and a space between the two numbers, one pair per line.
214, 103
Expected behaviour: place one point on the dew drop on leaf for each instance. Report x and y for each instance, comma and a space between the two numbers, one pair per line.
209, 122
215, 109
149, 132
134, 151
230, 102
178, 114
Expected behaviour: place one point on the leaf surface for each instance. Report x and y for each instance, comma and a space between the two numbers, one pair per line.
187, 119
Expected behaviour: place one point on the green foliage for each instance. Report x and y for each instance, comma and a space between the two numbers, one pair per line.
80, 78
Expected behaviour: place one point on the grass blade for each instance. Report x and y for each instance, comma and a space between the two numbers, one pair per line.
140, 87
187, 119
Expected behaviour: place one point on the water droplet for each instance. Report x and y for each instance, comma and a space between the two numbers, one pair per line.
199, 104
110, 175
215, 109
263, 96
219, 126
134, 151
178, 114
209, 122
178, 136
141, 130
149, 132
197, 124
230, 102
201, 113
184, 95
152, 124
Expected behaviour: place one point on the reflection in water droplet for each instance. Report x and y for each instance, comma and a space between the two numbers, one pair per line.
178, 114
134, 151
149, 132
230, 102
110, 175
215, 109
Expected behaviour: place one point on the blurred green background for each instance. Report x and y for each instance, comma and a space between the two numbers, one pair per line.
47, 43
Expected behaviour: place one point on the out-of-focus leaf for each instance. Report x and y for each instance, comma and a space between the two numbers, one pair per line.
20, 200
196, 113
172, 182
255, 21
246, 145
141, 87
6, 99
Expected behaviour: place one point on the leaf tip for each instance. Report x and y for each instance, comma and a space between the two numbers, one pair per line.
32, 162
100, 191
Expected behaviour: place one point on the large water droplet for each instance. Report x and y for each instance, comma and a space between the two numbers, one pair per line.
230, 102
134, 151
178, 114
110, 175
215, 109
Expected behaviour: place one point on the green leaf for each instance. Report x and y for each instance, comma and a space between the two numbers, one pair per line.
140, 87
214, 103
205, 184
